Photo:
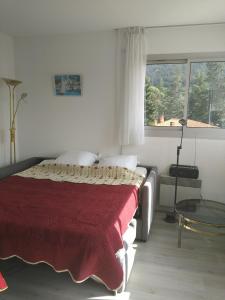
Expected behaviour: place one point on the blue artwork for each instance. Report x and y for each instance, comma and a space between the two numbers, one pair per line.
68, 85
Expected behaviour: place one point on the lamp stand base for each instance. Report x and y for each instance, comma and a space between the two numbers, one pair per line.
171, 217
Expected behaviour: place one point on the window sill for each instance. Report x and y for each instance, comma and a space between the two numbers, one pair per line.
204, 133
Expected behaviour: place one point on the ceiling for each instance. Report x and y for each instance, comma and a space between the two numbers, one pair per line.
47, 17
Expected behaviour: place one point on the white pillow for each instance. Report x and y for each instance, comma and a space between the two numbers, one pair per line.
125, 161
76, 157
141, 171
47, 162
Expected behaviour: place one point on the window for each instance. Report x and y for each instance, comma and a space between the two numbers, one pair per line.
194, 90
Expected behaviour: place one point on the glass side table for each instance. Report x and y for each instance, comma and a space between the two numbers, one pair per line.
202, 216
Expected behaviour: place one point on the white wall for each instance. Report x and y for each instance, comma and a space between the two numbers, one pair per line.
209, 156
49, 125
7, 69
186, 39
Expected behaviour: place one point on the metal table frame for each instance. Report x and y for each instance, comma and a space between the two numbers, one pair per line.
188, 223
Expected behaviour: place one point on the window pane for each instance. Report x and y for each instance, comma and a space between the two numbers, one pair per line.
206, 104
164, 94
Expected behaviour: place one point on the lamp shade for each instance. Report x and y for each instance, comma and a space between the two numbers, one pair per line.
183, 122
12, 82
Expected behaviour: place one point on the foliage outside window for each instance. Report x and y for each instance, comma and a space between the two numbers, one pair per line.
185, 89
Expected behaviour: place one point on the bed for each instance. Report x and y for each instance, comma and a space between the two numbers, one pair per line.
88, 237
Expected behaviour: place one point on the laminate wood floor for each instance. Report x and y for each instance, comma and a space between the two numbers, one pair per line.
161, 272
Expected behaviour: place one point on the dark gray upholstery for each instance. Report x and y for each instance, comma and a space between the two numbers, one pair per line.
148, 201
18, 167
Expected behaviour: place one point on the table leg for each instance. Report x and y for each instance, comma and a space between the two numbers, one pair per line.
180, 225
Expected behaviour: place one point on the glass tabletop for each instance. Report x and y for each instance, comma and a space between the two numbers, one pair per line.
203, 211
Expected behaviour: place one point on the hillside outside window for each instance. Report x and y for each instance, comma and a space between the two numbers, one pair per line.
194, 90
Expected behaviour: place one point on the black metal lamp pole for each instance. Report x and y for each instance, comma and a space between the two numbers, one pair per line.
171, 216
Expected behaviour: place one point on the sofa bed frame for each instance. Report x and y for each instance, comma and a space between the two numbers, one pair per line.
140, 226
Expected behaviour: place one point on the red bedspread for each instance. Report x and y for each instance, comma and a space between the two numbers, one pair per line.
73, 227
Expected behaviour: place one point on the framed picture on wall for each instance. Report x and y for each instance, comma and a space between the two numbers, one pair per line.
67, 85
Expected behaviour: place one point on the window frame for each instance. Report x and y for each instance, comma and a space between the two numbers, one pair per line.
190, 132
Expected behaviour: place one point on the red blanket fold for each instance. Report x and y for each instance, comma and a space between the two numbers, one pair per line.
73, 227
3, 284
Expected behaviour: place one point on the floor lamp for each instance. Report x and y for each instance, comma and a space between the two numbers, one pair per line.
12, 84
171, 216
3, 284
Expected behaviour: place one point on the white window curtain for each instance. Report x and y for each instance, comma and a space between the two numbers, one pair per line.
131, 67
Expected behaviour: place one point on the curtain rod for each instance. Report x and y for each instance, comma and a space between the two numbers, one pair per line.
184, 25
